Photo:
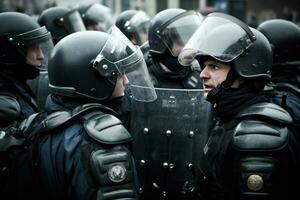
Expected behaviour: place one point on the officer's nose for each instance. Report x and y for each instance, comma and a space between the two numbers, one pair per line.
125, 80
204, 73
40, 54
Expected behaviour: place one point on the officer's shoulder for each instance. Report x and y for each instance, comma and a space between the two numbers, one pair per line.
98, 122
263, 126
106, 128
10, 108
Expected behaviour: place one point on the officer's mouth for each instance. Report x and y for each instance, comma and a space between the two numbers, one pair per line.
207, 88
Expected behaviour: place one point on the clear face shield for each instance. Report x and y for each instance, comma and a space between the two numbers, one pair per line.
140, 24
102, 15
73, 21
120, 57
177, 32
36, 46
219, 38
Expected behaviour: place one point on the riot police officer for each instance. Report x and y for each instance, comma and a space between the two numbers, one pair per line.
60, 22
169, 132
251, 152
24, 47
96, 16
83, 149
285, 87
168, 32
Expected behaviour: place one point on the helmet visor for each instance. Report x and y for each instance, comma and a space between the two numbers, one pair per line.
138, 19
217, 37
120, 56
101, 15
36, 46
140, 24
176, 34
73, 22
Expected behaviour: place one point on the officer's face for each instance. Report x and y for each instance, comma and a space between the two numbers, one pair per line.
177, 47
143, 36
213, 74
121, 83
34, 56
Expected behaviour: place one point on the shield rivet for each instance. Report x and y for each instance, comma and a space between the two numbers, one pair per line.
140, 190
155, 185
146, 130
142, 162
191, 134
165, 165
164, 193
168, 132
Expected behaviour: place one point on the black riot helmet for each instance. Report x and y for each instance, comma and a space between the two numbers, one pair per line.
172, 27
229, 40
61, 22
134, 24
284, 37
96, 16
86, 65
20, 33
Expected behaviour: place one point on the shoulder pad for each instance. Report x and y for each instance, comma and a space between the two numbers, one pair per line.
26, 124
106, 129
56, 119
32, 124
266, 112
59, 118
10, 109
254, 135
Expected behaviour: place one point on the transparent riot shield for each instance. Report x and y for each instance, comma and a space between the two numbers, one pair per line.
169, 135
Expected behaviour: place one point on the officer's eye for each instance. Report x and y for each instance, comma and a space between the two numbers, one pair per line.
213, 67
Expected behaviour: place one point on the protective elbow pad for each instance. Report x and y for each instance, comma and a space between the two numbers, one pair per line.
112, 171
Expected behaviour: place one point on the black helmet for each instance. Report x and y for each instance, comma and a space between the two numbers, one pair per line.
61, 22
18, 33
227, 39
96, 15
134, 24
172, 26
86, 65
284, 37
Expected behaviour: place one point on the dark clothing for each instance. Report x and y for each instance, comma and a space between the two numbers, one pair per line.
16, 104
40, 87
74, 165
18, 90
288, 97
251, 152
186, 78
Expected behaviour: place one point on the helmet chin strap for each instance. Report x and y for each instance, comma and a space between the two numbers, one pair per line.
214, 94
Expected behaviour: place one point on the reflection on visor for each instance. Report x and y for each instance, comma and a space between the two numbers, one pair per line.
73, 21
138, 19
217, 37
176, 34
101, 15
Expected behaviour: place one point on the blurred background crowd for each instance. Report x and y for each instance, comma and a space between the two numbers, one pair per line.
251, 11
